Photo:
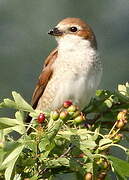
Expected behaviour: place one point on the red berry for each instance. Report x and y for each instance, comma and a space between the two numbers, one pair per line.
81, 155
41, 118
67, 104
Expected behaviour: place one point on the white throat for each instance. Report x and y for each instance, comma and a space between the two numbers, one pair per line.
75, 48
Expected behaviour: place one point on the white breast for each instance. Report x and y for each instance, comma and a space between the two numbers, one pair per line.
77, 71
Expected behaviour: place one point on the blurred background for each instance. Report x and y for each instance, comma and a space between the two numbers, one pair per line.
24, 42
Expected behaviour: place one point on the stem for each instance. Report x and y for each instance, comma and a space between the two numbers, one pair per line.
115, 133
117, 145
112, 128
109, 145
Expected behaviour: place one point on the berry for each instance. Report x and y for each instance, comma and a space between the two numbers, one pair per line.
120, 124
123, 115
41, 118
76, 113
79, 119
103, 163
88, 176
72, 108
55, 115
63, 115
102, 175
81, 155
67, 104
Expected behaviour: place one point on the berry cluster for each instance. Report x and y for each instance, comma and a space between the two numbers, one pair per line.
68, 112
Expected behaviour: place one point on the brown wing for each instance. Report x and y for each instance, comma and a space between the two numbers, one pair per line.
44, 78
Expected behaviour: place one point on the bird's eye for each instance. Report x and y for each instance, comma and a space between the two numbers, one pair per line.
73, 29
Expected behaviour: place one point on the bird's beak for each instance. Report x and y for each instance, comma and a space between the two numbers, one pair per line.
55, 32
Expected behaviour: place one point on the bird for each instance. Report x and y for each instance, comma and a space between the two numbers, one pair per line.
72, 71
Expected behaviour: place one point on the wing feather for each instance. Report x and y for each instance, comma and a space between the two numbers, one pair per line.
44, 77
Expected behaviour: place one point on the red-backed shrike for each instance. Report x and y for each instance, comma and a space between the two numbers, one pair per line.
72, 71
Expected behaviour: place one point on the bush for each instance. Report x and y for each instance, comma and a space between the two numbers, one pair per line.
66, 141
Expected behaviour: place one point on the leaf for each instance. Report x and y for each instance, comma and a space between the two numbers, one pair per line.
56, 162
120, 166
120, 177
89, 144
20, 117
105, 141
96, 133
2, 155
53, 130
16, 152
46, 146
7, 103
8, 122
21, 103
9, 169
35, 177
43, 143
80, 138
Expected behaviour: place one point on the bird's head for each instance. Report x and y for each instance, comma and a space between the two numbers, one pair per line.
74, 27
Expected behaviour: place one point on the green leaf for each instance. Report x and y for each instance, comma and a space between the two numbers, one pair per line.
120, 177
16, 152
53, 130
56, 162
8, 122
46, 146
20, 116
43, 143
21, 103
120, 166
9, 169
2, 155
7, 103
35, 177
35, 113
80, 138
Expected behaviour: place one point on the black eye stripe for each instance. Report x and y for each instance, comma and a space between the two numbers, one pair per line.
73, 29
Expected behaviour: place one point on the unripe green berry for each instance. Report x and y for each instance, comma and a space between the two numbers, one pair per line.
76, 114
72, 108
55, 115
103, 163
79, 119
64, 115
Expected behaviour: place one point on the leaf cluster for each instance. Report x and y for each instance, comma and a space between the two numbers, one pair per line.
63, 146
